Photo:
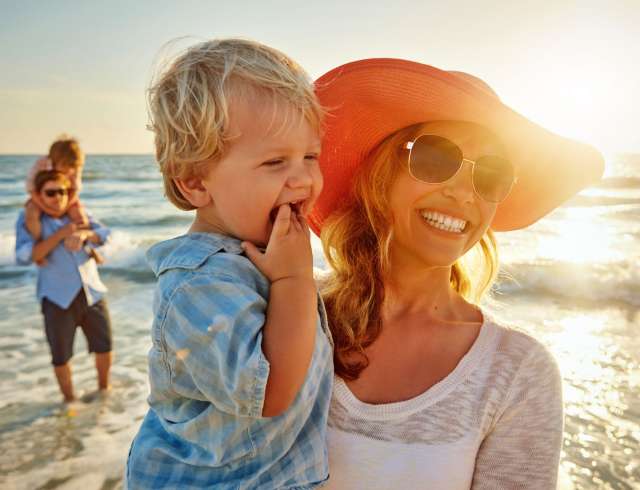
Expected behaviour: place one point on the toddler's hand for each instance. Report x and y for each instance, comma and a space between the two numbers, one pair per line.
75, 241
288, 253
67, 230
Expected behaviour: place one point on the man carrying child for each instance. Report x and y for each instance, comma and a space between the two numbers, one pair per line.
69, 287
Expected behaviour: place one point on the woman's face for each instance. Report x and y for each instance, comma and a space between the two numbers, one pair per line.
435, 224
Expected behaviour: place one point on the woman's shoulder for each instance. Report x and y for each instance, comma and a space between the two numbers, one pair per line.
517, 351
522, 378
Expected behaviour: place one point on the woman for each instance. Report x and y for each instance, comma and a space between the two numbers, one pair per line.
421, 166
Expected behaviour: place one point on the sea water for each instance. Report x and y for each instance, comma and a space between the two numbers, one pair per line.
572, 280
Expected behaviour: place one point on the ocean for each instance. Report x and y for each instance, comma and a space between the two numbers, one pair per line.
572, 280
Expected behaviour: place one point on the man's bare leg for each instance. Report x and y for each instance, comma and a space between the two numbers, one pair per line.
103, 366
63, 375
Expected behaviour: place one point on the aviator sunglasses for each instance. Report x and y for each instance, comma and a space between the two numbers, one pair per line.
435, 160
54, 192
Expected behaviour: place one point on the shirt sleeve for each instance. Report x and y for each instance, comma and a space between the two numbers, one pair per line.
522, 450
24, 242
213, 337
100, 229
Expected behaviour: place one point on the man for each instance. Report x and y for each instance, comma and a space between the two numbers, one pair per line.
69, 287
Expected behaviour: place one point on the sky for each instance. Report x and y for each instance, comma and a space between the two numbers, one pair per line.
82, 68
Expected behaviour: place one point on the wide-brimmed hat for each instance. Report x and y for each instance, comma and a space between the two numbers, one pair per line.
370, 99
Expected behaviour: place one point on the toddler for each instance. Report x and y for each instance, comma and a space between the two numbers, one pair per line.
241, 361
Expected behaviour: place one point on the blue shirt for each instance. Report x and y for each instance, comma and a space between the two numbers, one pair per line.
208, 376
66, 272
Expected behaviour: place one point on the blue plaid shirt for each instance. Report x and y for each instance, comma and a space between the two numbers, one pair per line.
208, 376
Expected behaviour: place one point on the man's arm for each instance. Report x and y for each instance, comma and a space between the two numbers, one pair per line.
24, 241
28, 250
99, 232
96, 236
44, 247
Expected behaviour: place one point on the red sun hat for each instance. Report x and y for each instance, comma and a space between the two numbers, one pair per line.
368, 100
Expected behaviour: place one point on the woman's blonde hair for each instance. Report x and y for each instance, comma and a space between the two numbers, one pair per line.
356, 241
189, 102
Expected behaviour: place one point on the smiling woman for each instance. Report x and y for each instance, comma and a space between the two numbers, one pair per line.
430, 388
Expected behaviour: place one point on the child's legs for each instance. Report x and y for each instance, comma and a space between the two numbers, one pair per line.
96, 325
77, 213
32, 215
60, 327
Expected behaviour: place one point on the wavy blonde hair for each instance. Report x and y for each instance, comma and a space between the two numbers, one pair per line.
356, 241
189, 102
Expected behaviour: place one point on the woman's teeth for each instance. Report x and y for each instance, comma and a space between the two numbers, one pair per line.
444, 222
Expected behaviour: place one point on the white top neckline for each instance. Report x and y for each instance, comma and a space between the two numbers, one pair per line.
389, 411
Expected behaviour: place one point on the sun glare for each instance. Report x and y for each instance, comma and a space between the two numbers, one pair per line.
580, 238
573, 83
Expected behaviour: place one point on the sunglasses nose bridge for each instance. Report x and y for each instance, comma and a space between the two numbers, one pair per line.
460, 185
56, 194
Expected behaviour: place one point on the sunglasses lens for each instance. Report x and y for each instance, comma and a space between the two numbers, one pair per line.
434, 159
54, 192
492, 178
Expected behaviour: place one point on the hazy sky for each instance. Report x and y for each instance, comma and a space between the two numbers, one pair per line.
82, 67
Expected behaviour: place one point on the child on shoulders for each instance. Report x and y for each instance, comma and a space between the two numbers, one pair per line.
66, 156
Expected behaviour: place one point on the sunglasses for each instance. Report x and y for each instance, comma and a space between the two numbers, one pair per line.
435, 160
55, 192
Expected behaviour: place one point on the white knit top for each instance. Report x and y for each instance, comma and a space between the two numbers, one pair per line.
495, 422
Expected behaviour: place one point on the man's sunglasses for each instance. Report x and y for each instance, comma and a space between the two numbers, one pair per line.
434, 160
55, 192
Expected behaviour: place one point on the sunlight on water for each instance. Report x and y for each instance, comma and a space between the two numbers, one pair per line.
579, 238
596, 349
599, 394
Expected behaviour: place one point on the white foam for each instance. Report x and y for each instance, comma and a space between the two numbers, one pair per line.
7, 248
619, 282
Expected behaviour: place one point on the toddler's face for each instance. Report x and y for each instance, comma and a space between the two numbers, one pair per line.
272, 160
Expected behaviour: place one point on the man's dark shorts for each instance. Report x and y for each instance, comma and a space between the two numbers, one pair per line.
60, 325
